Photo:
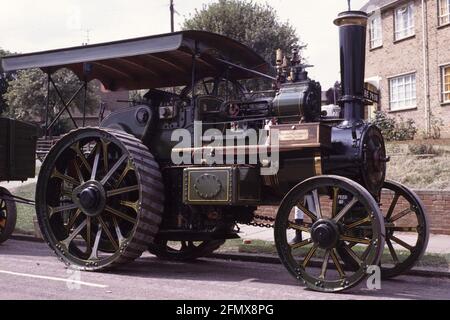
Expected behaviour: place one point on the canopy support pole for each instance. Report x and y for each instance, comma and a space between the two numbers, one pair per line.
84, 102
65, 105
47, 107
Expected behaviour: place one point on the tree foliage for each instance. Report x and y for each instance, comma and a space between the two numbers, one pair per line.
27, 94
4, 78
256, 25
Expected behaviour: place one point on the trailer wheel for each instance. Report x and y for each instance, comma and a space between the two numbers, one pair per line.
357, 227
8, 215
99, 198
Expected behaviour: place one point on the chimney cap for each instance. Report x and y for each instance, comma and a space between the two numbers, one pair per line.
351, 18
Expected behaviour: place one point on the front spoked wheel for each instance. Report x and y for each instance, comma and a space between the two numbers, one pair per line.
344, 217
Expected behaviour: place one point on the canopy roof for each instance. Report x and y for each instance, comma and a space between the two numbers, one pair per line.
147, 62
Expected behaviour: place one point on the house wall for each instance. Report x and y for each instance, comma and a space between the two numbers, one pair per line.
405, 56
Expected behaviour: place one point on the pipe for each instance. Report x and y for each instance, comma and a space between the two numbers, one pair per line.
426, 68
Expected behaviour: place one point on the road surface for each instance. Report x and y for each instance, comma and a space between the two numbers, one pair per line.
29, 270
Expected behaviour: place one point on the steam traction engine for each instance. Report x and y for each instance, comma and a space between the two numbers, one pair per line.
107, 194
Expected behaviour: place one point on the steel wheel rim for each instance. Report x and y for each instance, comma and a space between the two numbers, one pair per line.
301, 269
392, 216
110, 165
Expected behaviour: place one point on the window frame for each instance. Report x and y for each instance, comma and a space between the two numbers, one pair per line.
377, 42
403, 33
442, 15
413, 92
444, 92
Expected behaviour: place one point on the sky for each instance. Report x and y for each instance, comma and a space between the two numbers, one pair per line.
30, 25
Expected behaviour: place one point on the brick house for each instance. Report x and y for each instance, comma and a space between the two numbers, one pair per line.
408, 59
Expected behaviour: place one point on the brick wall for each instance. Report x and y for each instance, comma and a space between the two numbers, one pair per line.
437, 206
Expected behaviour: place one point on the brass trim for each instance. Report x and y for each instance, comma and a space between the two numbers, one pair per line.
318, 164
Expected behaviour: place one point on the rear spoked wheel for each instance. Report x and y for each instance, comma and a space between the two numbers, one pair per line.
8, 215
99, 198
407, 229
344, 216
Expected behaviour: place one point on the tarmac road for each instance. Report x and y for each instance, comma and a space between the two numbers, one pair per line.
29, 270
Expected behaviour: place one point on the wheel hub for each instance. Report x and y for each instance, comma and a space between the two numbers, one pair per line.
90, 197
325, 233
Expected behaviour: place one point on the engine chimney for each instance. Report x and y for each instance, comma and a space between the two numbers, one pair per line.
352, 37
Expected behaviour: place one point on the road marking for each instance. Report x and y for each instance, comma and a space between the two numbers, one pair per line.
89, 284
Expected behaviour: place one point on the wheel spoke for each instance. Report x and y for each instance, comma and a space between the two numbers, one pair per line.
392, 206
53, 210
299, 227
323, 270
392, 250
402, 243
108, 233
105, 145
114, 168
352, 254
337, 263
346, 209
94, 251
316, 201
64, 177
88, 235
115, 192
131, 204
310, 255
403, 229
120, 237
335, 199
76, 232
73, 219
300, 244
96, 161
120, 214
354, 239
77, 169
76, 148
358, 223
125, 171
401, 214
311, 215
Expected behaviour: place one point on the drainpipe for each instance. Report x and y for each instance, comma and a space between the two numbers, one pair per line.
426, 68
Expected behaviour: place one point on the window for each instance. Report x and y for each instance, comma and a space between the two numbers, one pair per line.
444, 12
446, 84
404, 21
376, 35
402, 93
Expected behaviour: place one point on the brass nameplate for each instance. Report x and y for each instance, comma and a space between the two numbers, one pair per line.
293, 135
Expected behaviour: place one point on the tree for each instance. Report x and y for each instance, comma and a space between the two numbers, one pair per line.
27, 94
4, 78
253, 24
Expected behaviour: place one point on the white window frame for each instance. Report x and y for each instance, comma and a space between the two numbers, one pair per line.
404, 26
402, 92
375, 32
445, 82
444, 13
